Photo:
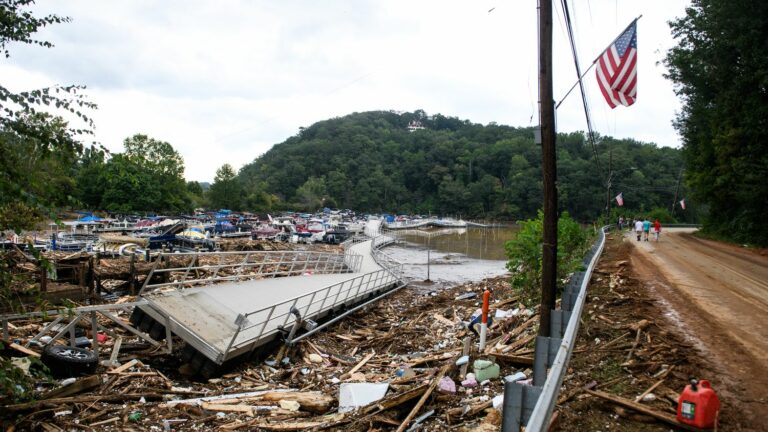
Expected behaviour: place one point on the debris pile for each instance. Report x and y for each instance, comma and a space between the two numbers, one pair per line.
410, 361
628, 365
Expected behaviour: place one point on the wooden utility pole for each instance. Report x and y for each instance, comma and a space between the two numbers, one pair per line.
677, 189
548, 167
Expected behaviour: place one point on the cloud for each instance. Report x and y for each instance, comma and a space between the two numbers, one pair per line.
224, 81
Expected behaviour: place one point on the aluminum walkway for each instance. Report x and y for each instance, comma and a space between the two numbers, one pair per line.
229, 319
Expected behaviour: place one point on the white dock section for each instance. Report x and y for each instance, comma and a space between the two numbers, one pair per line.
228, 319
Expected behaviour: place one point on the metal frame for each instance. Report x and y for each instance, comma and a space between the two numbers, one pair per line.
255, 328
88, 313
534, 405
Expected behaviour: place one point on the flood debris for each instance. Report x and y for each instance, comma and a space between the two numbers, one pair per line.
399, 364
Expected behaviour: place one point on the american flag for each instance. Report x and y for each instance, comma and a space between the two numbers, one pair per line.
682, 203
617, 69
620, 199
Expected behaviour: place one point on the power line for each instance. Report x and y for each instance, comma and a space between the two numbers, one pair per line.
587, 114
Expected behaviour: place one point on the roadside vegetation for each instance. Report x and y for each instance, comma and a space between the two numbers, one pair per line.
525, 254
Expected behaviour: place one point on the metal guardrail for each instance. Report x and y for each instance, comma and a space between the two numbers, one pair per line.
519, 400
262, 264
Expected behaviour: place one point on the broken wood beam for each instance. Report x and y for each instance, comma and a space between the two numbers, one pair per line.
78, 386
80, 399
315, 402
627, 403
426, 394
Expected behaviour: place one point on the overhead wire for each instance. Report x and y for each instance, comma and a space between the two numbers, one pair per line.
587, 113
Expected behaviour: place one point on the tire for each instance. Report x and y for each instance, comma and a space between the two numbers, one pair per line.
209, 370
157, 332
65, 361
136, 316
188, 353
146, 323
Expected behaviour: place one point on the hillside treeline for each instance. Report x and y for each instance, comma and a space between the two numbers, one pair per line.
371, 162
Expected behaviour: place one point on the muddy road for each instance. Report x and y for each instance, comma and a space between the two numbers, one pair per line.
717, 296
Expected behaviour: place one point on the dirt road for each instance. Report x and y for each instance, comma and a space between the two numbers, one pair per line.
717, 296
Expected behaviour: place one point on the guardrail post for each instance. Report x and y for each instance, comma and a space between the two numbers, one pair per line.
519, 401
543, 357
558, 322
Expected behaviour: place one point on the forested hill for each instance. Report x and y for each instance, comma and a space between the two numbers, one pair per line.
371, 162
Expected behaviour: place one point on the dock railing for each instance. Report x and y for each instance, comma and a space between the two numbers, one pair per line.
257, 324
234, 266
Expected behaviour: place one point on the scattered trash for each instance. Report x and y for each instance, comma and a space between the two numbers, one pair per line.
485, 370
462, 360
466, 296
22, 363
446, 385
353, 395
417, 421
289, 405
135, 416
315, 358
515, 377
498, 401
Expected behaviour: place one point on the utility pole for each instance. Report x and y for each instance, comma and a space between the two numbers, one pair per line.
548, 167
608, 187
677, 189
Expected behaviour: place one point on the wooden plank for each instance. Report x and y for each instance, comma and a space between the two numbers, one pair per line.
24, 350
124, 367
429, 391
74, 388
358, 366
247, 409
514, 359
653, 387
641, 409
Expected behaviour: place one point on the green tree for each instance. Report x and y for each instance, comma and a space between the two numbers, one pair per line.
312, 194
165, 168
31, 139
720, 72
525, 254
225, 192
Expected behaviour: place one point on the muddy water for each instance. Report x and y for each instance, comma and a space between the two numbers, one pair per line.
455, 256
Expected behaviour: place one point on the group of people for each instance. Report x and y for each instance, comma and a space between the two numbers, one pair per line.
643, 227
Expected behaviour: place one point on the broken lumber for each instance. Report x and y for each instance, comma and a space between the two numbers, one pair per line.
24, 350
79, 399
514, 359
468, 411
315, 402
658, 383
641, 409
391, 402
426, 394
357, 366
78, 386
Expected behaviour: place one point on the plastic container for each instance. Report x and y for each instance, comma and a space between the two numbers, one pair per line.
698, 405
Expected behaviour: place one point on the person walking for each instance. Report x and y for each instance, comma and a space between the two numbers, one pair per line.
646, 229
638, 228
656, 229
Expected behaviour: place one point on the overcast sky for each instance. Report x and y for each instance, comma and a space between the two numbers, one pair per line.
223, 81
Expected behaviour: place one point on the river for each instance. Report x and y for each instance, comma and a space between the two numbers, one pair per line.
456, 256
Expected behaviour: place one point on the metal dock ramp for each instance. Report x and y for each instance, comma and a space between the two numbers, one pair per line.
225, 320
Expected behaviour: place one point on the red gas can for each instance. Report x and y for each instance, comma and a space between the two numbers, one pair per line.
698, 405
